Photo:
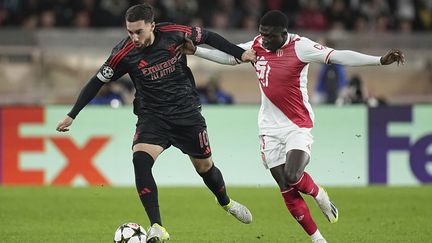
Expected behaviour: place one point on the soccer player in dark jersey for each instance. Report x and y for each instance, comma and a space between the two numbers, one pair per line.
286, 118
166, 104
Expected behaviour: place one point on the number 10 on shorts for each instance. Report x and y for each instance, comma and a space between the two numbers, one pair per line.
203, 138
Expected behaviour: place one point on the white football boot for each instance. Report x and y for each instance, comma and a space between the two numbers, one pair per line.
239, 211
326, 206
157, 234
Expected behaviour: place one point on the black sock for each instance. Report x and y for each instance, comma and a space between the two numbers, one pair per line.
146, 185
215, 182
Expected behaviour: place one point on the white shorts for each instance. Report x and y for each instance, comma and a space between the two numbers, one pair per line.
275, 147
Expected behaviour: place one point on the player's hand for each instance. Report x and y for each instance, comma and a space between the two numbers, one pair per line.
394, 55
63, 125
187, 48
249, 56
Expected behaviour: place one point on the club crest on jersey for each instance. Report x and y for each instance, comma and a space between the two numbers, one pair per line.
107, 72
279, 52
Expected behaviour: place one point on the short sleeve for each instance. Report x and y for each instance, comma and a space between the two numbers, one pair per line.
309, 51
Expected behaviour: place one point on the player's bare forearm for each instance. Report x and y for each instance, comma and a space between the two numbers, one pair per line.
393, 55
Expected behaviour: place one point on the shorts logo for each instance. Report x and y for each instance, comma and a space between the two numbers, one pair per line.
107, 72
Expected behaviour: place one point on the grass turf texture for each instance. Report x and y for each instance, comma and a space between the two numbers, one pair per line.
57, 214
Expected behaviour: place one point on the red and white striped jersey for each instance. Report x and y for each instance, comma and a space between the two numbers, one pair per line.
283, 82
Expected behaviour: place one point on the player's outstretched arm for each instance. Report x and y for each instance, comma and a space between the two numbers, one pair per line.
352, 58
86, 95
215, 40
216, 56
188, 48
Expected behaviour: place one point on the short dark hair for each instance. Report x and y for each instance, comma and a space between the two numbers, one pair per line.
140, 12
274, 18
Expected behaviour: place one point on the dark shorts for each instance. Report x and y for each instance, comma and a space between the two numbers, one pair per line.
187, 134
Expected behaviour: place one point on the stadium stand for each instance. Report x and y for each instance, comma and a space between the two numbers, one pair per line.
49, 48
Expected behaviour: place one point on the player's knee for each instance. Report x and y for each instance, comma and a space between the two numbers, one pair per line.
202, 165
281, 181
292, 178
283, 186
203, 168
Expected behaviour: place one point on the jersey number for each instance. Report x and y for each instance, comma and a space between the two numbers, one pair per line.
263, 71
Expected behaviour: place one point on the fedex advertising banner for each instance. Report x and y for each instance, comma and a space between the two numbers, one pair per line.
353, 146
404, 131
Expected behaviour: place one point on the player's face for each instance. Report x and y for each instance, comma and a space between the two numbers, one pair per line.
272, 37
141, 33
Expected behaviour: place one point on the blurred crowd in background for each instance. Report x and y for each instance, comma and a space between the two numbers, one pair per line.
33, 71
317, 15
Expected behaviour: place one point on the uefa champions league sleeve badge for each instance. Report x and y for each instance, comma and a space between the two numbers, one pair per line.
105, 74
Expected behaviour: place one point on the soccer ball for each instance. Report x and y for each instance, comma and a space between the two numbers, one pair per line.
130, 233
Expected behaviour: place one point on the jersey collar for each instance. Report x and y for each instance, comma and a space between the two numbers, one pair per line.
288, 40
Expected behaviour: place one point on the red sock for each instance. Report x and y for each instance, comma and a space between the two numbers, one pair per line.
299, 210
306, 185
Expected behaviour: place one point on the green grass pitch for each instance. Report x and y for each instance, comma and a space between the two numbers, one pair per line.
62, 214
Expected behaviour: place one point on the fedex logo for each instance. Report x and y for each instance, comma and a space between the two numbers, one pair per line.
381, 143
12, 145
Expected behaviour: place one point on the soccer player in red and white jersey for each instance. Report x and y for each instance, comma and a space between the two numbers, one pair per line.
286, 118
